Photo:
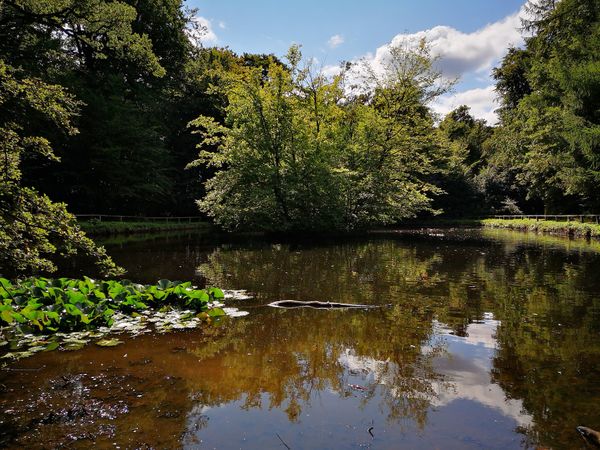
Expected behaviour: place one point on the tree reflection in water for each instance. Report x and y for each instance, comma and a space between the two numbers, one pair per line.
546, 347
492, 340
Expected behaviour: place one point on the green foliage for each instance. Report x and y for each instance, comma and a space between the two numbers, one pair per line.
549, 141
275, 154
467, 136
51, 305
45, 34
118, 162
571, 228
511, 79
96, 228
295, 153
32, 227
124, 60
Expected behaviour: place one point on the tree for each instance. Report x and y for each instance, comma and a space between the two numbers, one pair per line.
550, 134
467, 138
298, 152
395, 152
275, 152
44, 35
511, 79
124, 60
32, 227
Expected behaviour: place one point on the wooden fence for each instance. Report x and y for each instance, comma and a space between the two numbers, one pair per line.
594, 218
117, 218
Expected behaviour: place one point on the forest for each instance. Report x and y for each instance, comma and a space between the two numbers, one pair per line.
116, 107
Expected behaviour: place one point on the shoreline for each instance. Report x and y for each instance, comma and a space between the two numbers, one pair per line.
576, 230
572, 229
107, 228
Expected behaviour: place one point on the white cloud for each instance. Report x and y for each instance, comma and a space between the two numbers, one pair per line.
222, 25
331, 70
201, 31
461, 54
468, 372
482, 102
335, 41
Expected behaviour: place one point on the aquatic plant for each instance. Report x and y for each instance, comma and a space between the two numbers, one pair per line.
42, 305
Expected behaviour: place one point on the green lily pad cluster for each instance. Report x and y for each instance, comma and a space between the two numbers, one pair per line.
42, 305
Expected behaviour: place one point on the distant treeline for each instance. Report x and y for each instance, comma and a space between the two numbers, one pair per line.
97, 96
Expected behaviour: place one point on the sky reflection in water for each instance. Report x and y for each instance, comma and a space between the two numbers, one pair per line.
491, 341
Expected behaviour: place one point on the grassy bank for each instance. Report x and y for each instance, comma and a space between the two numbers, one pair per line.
573, 229
439, 223
97, 228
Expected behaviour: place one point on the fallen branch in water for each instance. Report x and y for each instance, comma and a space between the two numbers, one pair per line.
320, 305
283, 442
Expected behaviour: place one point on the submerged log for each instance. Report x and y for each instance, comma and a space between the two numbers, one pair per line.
320, 305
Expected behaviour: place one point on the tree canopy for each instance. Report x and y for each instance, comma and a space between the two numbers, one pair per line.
33, 228
550, 111
297, 152
97, 96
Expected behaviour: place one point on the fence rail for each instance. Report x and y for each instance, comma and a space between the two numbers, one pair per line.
559, 217
182, 219
117, 218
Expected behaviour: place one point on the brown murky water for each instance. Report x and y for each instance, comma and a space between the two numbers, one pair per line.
492, 340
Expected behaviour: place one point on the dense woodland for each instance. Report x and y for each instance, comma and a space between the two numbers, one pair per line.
116, 107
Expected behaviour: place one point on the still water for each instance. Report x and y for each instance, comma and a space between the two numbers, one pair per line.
491, 340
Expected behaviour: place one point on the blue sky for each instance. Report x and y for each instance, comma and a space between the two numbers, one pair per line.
470, 36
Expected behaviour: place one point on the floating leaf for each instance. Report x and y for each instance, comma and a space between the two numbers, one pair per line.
51, 346
234, 312
37, 348
17, 355
109, 342
216, 312
7, 316
73, 346
73, 340
216, 293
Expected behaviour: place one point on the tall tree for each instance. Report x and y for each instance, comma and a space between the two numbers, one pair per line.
550, 132
32, 227
124, 60
297, 152
395, 151
275, 153
463, 194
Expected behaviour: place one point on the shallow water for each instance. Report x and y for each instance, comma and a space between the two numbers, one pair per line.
491, 340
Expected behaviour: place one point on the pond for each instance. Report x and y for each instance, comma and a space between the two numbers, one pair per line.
484, 340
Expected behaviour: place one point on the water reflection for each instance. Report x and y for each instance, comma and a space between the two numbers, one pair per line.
491, 341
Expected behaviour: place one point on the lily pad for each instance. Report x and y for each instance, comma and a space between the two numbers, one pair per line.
234, 312
37, 348
51, 346
75, 341
109, 342
17, 355
73, 346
